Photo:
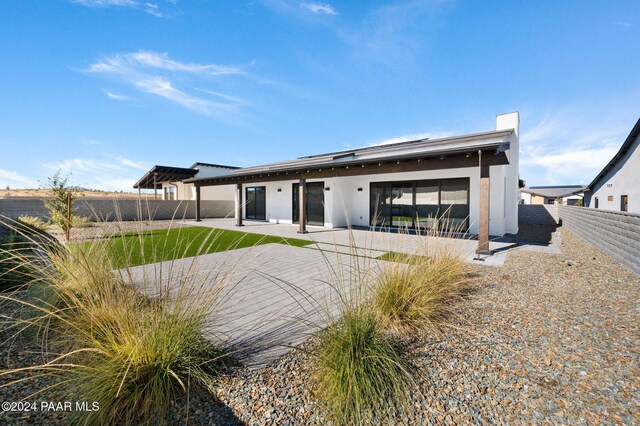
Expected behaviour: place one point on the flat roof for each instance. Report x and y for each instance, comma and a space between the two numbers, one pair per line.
159, 174
465, 146
219, 166
554, 191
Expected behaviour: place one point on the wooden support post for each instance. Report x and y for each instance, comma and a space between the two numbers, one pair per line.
198, 219
155, 188
239, 204
68, 233
302, 206
484, 205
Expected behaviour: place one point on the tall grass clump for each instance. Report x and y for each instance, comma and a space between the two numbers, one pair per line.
32, 224
418, 293
361, 375
130, 348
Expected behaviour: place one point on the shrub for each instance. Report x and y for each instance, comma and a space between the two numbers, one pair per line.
418, 293
31, 225
58, 204
360, 374
131, 349
13, 273
81, 222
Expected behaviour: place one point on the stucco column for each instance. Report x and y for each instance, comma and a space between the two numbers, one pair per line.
483, 219
198, 204
239, 204
302, 200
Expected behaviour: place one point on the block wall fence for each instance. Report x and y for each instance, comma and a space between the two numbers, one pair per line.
121, 209
615, 233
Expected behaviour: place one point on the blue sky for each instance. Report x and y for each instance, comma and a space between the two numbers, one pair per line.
105, 89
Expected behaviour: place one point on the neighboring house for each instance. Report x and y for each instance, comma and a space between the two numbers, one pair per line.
570, 194
470, 179
167, 182
617, 186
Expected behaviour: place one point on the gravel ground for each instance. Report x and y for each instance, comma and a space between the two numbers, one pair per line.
547, 339
97, 229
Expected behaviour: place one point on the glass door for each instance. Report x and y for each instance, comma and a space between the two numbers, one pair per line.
256, 203
315, 203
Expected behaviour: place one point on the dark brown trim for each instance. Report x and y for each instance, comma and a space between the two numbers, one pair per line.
239, 204
490, 158
302, 206
198, 204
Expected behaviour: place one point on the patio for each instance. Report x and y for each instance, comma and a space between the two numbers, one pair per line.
275, 296
369, 243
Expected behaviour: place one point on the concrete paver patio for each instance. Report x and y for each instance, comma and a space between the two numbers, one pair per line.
369, 243
274, 296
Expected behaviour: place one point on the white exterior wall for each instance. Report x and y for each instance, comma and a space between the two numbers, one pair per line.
346, 206
623, 179
186, 191
525, 197
510, 174
279, 205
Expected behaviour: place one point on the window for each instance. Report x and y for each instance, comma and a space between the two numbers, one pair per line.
624, 203
422, 204
169, 192
595, 202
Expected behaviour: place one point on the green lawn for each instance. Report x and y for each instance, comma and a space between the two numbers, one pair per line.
136, 248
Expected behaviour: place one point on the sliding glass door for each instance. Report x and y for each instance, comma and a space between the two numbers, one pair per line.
442, 203
315, 203
256, 205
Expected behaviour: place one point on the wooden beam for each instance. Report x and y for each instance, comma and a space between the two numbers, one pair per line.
484, 205
302, 206
239, 204
409, 165
198, 219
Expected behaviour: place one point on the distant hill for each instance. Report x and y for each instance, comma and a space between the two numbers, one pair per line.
80, 193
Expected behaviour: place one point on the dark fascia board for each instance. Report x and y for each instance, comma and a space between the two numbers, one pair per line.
619, 155
165, 173
380, 149
390, 146
495, 148
220, 166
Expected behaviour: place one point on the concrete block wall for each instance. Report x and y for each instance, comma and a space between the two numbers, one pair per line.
121, 209
615, 233
538, 214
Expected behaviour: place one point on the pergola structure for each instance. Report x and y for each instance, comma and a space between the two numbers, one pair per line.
484, 154
159, 174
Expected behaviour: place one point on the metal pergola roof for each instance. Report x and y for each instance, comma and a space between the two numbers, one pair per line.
159, 174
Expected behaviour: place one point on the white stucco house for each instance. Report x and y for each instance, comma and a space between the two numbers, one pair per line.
569, 194
471, 179
617, 186
168, 182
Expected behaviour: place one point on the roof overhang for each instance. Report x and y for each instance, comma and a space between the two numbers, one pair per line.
493, 154
159, 174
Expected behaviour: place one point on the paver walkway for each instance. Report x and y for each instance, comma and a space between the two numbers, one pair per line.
272, 296
368, 240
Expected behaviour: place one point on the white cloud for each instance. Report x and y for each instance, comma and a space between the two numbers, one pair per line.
15, 179
319, 8
92, 142
107, 174
149, 8
152, 73
116, 96
570, 145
